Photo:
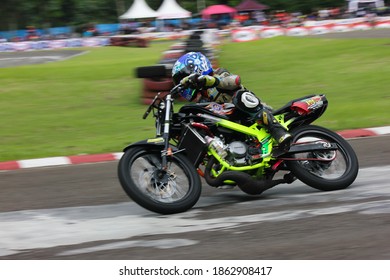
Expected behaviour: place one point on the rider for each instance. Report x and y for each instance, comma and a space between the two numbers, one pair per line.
203, 84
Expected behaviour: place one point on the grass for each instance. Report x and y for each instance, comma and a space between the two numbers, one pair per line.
90, 103
354, 75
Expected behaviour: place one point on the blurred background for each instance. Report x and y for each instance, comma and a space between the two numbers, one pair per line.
50, 19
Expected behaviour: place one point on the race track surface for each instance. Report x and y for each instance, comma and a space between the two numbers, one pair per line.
11, 59
80, 212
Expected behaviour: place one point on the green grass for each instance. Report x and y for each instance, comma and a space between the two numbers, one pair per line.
354, 74
90, 103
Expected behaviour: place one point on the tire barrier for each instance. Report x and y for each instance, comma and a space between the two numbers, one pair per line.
172, 54
150, 94
169, 57
158, 84
155, 71
194, 43
129, 41
180, 46
155, 79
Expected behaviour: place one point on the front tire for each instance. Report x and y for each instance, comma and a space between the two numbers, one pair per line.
169, 191
325, 171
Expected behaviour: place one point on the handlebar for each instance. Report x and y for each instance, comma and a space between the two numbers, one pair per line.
174, 92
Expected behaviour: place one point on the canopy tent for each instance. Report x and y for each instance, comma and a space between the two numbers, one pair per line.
354, 5
250, 5
139, 9
169, 9
217, 10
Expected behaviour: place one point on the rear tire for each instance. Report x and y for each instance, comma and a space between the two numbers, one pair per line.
338, 173
166, 192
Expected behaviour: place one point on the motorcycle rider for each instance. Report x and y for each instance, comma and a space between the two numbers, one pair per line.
194, 71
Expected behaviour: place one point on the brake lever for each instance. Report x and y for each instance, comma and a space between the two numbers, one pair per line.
174, 92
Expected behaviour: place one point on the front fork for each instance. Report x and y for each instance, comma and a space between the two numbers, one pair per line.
167, 150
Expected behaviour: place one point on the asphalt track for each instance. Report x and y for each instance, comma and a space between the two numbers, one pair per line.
80, 212
12, 59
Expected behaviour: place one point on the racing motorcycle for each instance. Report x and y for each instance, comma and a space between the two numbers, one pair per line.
228, 149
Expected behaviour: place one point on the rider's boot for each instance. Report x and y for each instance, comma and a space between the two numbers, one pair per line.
277, 131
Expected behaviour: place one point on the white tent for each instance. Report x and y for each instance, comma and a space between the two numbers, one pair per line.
169, 9
139, 9
354, 5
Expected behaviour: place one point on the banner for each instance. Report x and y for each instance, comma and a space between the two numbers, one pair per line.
244, 35
54, 44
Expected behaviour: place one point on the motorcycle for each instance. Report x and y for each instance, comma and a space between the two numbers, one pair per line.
230, 149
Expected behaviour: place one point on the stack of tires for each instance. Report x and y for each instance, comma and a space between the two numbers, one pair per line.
170, 56
129, 41
195, 43
158, 78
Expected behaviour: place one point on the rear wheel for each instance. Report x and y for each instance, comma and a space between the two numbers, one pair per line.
324, 170
169, 191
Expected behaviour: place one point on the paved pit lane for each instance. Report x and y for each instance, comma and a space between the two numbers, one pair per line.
11, 59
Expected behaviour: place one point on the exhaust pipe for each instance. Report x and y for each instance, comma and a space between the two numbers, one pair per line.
243, 180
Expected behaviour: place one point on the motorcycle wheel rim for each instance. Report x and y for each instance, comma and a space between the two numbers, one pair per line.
163, 186
328, 165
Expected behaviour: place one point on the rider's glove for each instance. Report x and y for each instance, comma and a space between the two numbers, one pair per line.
206, 81
190, 81
199, 82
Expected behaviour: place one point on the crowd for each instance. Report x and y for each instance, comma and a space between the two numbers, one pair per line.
273, 18
224, 21
285, 19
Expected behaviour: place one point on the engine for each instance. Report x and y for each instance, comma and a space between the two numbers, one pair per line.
240, 153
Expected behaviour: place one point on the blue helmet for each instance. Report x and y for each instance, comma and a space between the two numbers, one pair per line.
190, 63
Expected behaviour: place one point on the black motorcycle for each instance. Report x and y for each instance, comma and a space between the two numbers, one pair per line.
228, 149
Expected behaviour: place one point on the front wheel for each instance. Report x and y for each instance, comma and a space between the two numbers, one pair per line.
323, 170
169, 191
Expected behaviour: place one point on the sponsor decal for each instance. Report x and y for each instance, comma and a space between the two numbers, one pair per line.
308, 105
